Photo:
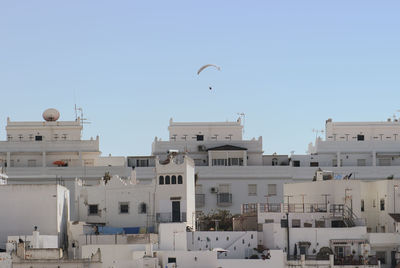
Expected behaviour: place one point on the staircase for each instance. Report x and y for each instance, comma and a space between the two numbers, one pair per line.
343, 213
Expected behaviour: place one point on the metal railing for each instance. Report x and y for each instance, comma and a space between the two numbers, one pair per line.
224, 199
250, 208
200, 198
270, 207
294, 208
165, 217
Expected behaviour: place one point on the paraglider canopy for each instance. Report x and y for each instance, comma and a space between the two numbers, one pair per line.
206, 66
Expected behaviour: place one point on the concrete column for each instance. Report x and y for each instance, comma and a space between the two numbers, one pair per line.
8, 159
43, 159
338, 159
374, 158
209, 159
244, 158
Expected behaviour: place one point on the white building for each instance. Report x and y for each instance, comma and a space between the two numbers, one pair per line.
351, 217
53, 151
169, 197
25, 206
355, 144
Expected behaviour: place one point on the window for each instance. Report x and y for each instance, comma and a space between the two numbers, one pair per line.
382, 204
373, 203
93, 209
224, 188
296, 163
360, 162
362, 205
339, 251
235, 161
124, 207
199, 189
334, 162
142, 162
381, 256
219, 162
55, 136
271, 189
31, 163
20, 137
161, 180
360, 137
142, 208
200, 137
9, 137
180, 180
252, 189
284, 223
319, 224
274, 161
171, 260
38, 138
296, 223
64, 136
31, 137
167, 180
173, 179
385, 161
314, 164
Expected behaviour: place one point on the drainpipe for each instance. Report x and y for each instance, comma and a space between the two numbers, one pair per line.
287, 228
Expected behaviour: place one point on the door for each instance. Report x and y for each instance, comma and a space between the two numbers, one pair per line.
176, 211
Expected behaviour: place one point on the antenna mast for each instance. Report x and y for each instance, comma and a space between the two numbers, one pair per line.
242, 116
82, 120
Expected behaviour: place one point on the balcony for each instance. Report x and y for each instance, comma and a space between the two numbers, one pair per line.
224, 199
166, 217
270, 207
249, 208
200, 198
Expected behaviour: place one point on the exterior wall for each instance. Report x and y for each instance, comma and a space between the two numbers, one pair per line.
371, 130
239, 245
275, 237
277, 260
210, 130
172, 236
189, 258
26, 206
46, 129
166, 194
119, 256
45, 241
109, 196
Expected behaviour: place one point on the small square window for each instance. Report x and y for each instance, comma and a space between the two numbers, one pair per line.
93, 209
200, 137
38, 138
124, 208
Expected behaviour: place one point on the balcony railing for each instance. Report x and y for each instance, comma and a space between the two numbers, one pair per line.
200, 200
294, 208
165, 217
270, 207
249, 208
224, 199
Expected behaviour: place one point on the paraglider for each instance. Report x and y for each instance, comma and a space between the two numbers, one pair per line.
206, 66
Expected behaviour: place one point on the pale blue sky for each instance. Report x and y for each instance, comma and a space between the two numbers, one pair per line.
289, 65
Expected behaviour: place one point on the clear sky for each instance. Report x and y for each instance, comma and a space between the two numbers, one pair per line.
131, 65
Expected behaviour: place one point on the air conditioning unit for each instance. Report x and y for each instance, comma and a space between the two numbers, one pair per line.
214, 190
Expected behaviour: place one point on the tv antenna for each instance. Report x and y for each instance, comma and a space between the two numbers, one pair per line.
316, 131
79, 115
242, 117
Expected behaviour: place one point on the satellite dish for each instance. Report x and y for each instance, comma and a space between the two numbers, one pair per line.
51, 115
